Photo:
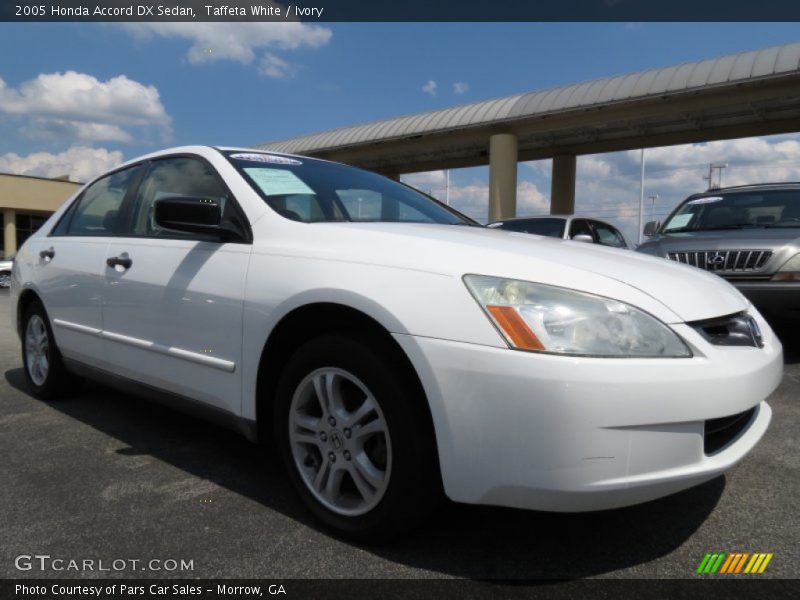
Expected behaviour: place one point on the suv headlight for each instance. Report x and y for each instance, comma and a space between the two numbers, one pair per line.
546, 318
790, 271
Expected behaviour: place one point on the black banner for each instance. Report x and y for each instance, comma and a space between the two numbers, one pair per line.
405, 10
386, 589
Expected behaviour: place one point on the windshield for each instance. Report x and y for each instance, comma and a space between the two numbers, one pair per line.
314, 191
737, 210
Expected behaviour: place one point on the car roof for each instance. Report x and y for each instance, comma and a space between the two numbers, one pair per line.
540, 217
751, 187
200, 148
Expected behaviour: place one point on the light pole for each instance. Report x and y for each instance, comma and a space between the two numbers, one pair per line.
641, 202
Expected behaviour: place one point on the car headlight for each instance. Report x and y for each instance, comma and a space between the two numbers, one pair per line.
546, 318
790, 271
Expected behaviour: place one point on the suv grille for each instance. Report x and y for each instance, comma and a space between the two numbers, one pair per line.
732, 261
718, 433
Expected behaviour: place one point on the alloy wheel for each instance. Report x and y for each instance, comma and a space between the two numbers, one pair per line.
37, 350
340, 441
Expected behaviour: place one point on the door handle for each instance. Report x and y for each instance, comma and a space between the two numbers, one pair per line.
123, 261
48, 254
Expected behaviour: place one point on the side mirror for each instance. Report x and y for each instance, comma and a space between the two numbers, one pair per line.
650, 228
583, 237
192, 215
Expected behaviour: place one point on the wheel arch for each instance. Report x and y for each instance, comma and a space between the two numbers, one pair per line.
311, 320
26, 297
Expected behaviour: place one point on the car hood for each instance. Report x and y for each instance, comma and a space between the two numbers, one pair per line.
672, 291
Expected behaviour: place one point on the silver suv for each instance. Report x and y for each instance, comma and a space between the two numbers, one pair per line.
749, 235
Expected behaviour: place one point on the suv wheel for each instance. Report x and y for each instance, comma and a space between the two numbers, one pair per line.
353, 437
44, 368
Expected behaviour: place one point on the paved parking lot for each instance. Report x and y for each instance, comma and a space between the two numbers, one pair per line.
107, 476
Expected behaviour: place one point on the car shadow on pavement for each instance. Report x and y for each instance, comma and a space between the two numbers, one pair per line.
459, 540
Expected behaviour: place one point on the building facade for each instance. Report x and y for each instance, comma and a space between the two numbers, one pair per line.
25, 203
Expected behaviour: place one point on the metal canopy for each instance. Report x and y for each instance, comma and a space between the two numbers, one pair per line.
746, 94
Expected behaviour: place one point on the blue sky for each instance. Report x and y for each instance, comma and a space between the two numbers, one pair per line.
135, 88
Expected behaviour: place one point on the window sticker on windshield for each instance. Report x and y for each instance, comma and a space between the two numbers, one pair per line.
278, 182
708, 200
266, 158
680, 221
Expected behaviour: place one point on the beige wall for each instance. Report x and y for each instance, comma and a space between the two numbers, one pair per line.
34, 194
29, 195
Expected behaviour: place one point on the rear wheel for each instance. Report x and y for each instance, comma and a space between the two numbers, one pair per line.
44, 368
355, 439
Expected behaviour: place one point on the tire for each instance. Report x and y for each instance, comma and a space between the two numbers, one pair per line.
5, 280
44, 368
379, 459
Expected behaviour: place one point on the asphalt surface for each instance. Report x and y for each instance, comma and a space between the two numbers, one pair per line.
108, 476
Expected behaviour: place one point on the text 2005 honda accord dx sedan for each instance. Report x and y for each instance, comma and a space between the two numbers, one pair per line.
393, 348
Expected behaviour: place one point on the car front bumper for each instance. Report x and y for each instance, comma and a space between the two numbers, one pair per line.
780, 299
568, 434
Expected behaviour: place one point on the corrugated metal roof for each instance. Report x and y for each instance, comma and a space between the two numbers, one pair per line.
686, 77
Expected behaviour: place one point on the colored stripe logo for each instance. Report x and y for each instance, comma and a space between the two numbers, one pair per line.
734, 563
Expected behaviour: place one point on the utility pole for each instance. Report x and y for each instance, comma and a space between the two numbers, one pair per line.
710, 177
641, 202
653, 199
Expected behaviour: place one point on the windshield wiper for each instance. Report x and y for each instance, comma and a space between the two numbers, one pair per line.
776, 226
731, 226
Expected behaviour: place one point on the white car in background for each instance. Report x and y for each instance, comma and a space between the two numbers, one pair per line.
5, 273
567, 227
392, 348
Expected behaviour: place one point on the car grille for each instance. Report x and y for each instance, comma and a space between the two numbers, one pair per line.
739, 329
731, 261
718, 433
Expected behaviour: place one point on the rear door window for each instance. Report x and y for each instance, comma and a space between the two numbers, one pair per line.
98, 211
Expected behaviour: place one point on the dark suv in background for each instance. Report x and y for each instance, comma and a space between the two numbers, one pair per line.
750, 235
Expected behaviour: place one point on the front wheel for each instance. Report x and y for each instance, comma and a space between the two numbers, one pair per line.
355, 439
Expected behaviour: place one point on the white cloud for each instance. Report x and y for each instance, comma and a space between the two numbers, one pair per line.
429, 180
531, 201
82, 108
72, 130
431, 87
274, 66
460, 87
79, 162
237, 42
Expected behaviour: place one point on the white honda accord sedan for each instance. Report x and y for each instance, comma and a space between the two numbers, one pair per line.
391, 347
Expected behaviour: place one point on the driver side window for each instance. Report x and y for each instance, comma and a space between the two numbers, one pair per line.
580, 227
170, 178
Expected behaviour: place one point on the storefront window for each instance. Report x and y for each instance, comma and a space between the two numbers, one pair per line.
27, 224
